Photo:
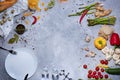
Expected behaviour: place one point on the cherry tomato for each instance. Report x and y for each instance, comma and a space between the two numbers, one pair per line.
99, 73
94, 73
101, 76
97, 68
85, 66
89, 76
102, 70
106, 62
102, 61
90, 71
96, 77
93, 76
106, 76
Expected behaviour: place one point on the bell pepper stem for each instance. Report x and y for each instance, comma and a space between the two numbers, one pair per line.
116, 47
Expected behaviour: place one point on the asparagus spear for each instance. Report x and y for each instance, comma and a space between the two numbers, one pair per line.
79, 13
104, 20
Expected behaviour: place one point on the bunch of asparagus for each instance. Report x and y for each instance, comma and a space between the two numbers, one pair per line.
104, 20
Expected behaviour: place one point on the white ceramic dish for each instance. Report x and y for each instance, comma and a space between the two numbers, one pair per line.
17, 66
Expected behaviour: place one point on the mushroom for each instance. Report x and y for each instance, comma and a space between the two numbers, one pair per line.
108, 53
111, 51
117, 50
105, 50
117, 62
116, 57
108, 57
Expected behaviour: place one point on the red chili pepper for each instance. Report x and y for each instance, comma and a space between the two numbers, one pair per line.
83, 15
115, 40
35, 20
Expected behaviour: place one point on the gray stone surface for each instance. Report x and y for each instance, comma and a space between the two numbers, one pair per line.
58, 40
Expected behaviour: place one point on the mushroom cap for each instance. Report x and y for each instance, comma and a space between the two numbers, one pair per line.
105, 50
108, 57
116, 57
117, 62
117, 50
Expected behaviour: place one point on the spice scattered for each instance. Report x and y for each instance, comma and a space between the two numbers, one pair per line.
27, 22
86, 49
45, 9
61, 1
23, 18
38, 18
27, 14
12, 11
90, 54
42, 3
9, 19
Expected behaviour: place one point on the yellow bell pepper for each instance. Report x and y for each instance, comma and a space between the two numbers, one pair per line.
100, 43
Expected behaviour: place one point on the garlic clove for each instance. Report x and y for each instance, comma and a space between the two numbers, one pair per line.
88, 39
91, 54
